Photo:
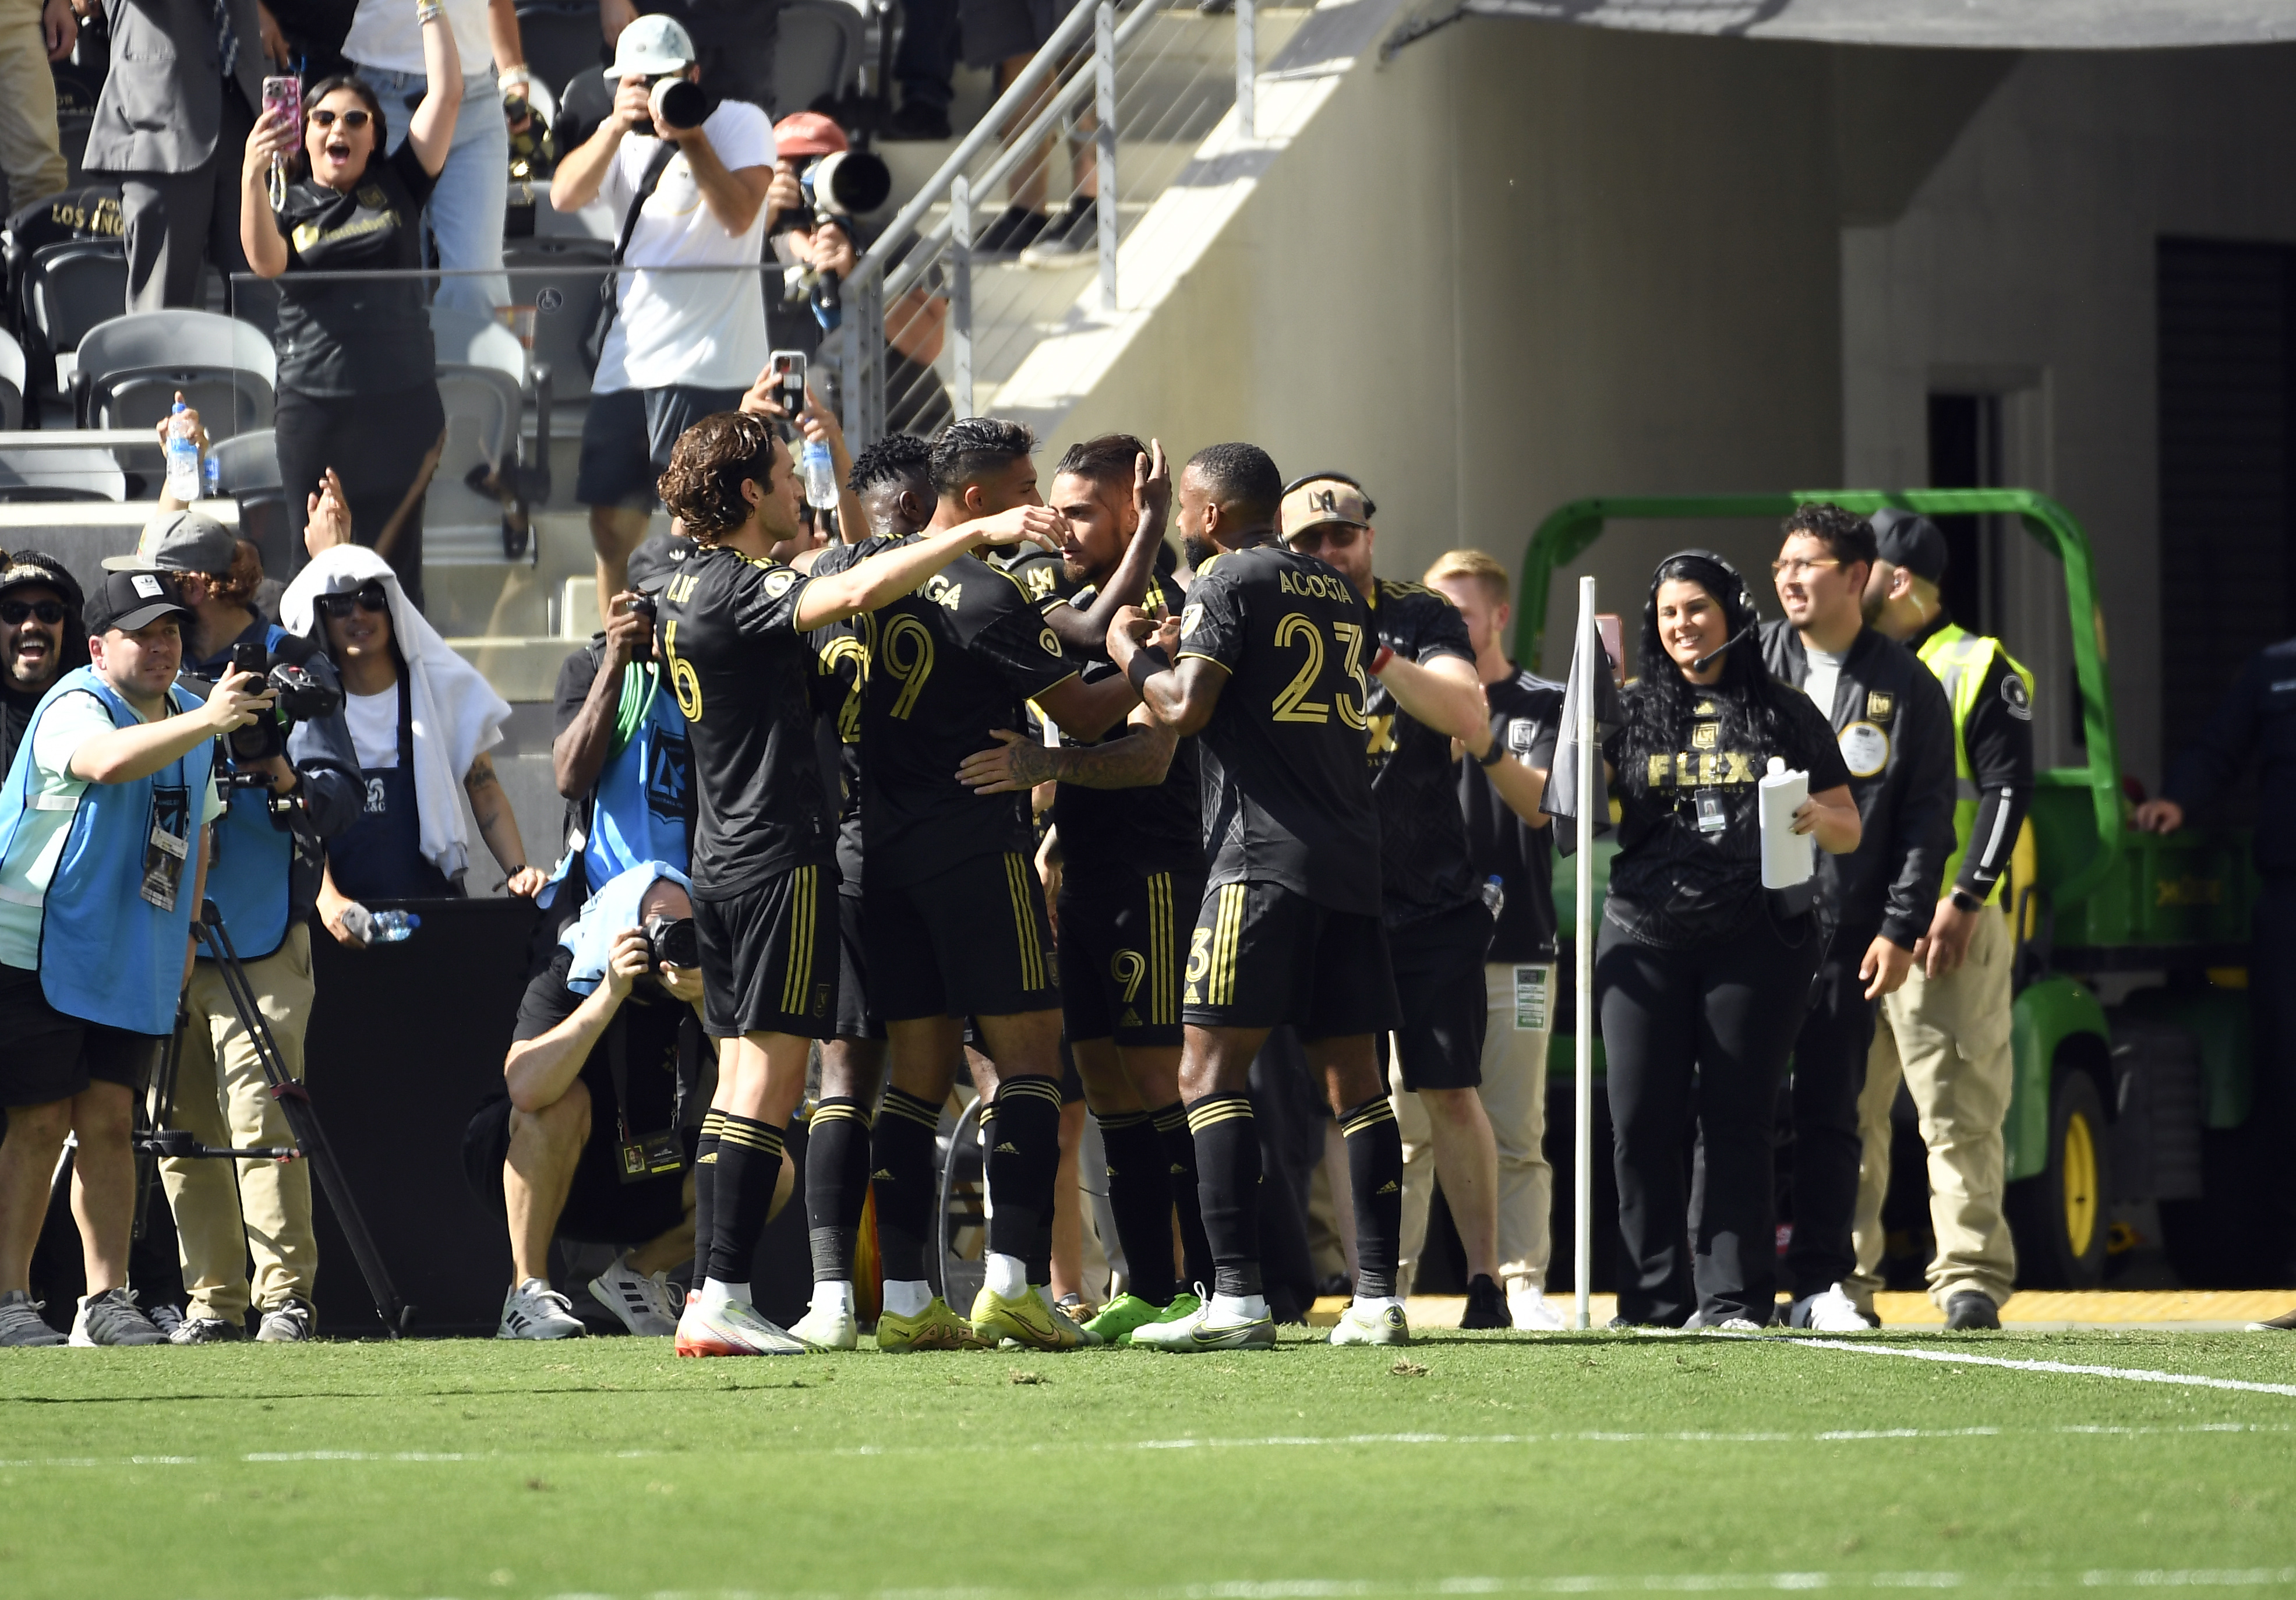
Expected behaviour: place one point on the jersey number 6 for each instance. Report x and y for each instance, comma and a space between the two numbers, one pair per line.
683, 678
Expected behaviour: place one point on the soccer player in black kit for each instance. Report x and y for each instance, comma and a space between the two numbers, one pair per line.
1266, 666
954, 915
733, 626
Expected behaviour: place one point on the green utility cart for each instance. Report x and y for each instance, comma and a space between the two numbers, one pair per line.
2137, 1100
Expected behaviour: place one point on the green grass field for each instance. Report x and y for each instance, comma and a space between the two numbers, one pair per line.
1475, 1465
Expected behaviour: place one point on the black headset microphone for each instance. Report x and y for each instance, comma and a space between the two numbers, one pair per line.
1745, 601
1740, 638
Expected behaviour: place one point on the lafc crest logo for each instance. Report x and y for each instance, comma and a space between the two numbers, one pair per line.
778, 582
1879, 706
1706, 735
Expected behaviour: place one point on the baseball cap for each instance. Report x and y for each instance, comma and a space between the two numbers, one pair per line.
179, 541
27, 568
1322, 497
808, 133
653, 562
1910, 541
650, 47
129, 601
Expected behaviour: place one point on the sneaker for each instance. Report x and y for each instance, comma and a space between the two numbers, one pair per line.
1971, 1308
1487, 1306
732, 1329
20, 1322
1026, 1320
2284, 1324
204, 1330
113, 1318
1831, 1312
644, 1303
289, 1322
827, 1328
937, 1327
1119, 1317
167, 1318
1014, 230
1068, 238
534, 1310
1199, 1330
1528, 1310
915, 120
1371, 1325
1734, 1325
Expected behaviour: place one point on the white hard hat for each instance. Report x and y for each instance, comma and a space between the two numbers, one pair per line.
650, 47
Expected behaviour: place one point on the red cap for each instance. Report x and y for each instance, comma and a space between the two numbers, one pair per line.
807, 134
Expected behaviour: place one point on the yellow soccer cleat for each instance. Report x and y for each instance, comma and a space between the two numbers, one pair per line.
935, 1328
1028, 1320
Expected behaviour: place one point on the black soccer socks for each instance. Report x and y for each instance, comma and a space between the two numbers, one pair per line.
1024, 1156
749, 1165
836, 1182
1227, 1155
1376, 1174
1180, 1159
705, 1193
1140, 1194
901, 1157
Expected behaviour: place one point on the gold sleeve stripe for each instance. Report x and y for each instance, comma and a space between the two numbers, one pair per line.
712, 1121
1368, 1119
1218, 1109
1024, 922
900, 1102
1227, 929
797, 978
768, 1140
840, 1113
1031, 1087
1200, 656
1163, 992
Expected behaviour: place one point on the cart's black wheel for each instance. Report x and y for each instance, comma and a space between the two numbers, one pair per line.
2061, 1214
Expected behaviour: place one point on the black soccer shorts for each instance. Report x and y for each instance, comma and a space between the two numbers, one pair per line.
49, 1056
769, 956
1439, 979
1262, 955
856, 1019
971, 941
1122, 946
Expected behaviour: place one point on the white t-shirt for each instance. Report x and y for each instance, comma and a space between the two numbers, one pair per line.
1824, 674
385, 36
374, 720
704, 329
66, 725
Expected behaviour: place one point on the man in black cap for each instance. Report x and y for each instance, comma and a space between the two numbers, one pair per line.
40, 639
1946, 1032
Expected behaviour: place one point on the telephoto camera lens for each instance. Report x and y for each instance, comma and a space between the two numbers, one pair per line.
677, 102
671, 941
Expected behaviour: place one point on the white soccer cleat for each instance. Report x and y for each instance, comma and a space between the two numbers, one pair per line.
1368, 1324
644, 1303
1528, 1310
1834, 1312
827, 1328
533, 1309
732, 1329
1203, 1329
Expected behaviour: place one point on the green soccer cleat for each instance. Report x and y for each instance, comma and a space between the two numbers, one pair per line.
1120, 1316
1358, 1326
934, 1328
1194, 1332
1025, 1320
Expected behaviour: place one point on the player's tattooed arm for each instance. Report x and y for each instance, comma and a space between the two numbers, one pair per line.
498, 826
1137, 760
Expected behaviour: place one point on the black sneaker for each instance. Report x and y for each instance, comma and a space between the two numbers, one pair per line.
1486, 1306
1970, 1310
915, 120
1015, 229
1068, 238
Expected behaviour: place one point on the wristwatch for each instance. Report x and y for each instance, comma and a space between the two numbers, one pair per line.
1962, 900
1493, 756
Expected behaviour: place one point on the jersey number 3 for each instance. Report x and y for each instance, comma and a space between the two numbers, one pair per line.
1292, 704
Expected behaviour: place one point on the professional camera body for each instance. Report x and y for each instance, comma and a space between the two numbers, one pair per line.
671, 941
297, 697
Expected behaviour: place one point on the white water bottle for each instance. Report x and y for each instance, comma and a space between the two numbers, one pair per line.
183, 458
1788, 858
820, 476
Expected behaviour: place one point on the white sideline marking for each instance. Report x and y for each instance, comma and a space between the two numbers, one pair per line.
2134, 1375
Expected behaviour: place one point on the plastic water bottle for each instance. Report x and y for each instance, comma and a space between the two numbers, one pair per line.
378, 927
183, 458
214, 469
820, 476
1494, 896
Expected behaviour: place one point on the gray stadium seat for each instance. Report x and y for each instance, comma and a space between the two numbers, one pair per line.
42, 474
817, 48
565, 301
477, 511
130, 369
561, 38
67, 289
12, 383
247, 469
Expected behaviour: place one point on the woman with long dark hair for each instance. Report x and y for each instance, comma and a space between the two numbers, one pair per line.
1702, 975
358, 387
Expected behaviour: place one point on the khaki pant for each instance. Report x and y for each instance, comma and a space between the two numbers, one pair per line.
1514, 1098
224, 1209
31, 152
1949, 1038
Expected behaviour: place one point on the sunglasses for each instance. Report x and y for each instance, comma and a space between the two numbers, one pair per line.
1338, 535
370, 599
351, 119
14, 612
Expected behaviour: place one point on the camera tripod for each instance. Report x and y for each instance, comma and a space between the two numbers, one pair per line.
157, 1140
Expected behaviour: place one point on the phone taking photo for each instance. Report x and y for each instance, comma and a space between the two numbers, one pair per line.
284, 95
789, 382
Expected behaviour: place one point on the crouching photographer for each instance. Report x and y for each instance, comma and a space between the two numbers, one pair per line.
102, 860
292, 781
589, 1139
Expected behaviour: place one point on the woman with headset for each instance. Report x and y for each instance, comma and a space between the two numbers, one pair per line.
1701, 974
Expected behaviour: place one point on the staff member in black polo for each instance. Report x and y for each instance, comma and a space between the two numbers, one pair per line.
1895, 734
1702, 975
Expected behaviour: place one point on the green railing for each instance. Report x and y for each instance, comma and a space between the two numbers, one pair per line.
1571, 530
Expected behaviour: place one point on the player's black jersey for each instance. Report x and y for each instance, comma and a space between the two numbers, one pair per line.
1502, 844
1424, 865
1158, 828
741, 673
842, 666
1043, 576
1286, 792
945, 665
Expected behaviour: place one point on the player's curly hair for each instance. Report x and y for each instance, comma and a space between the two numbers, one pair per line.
1110, 458
708, 466
1243, 476
972, 447
897, 458
1847, 537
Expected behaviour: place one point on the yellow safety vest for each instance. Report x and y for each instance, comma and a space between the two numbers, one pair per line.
1961, 661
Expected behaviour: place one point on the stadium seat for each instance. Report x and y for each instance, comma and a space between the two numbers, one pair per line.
477, 513
130, 368
817, 47
12, 383
561, 38
247, 469
565, 301
65, 289
42, 474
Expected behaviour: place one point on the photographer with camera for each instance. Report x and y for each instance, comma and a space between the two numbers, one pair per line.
686, 182
587, 1138
103, 857
289, 788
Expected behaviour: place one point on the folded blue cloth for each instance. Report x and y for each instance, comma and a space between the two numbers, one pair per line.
614, 908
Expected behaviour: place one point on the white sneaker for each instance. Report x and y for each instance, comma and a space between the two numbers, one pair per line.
533, 1309
732, 1329
1833, 1312
1365, 1325
644, 1303
827, 1328
1737, 1325
1528, 1310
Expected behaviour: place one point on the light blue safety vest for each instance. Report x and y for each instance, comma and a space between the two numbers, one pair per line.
107, 955
248, 877
639, 806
